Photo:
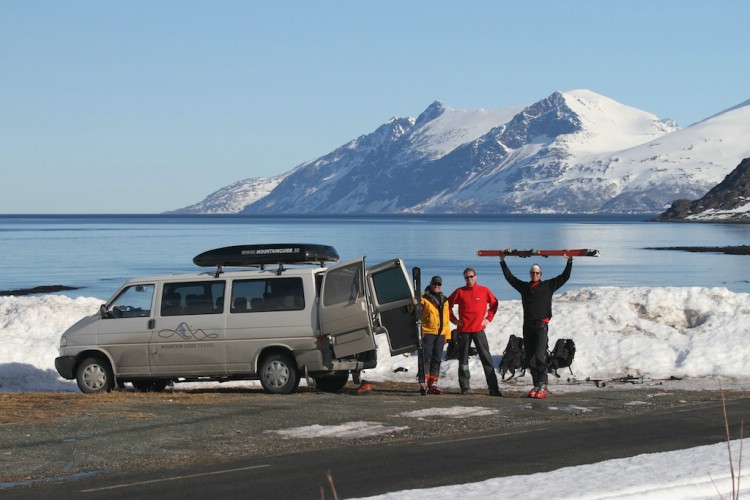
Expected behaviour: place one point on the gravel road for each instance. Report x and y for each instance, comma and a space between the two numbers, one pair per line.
52, 436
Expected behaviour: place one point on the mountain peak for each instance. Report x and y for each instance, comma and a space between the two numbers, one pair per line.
433, 111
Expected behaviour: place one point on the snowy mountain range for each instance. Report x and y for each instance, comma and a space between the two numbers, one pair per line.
572, 152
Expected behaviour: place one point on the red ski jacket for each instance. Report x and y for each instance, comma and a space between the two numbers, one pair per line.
475, 303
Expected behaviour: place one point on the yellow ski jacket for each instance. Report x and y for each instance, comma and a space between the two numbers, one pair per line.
431, 316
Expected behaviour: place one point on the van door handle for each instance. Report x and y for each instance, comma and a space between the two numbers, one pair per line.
151, 324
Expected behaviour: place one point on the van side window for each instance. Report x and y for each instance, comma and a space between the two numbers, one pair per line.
268, 294
133, 302
189, 298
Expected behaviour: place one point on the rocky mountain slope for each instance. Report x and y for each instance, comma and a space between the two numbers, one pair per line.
729, 201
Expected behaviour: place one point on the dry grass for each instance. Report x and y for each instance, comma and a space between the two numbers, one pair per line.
735, 477
25, 407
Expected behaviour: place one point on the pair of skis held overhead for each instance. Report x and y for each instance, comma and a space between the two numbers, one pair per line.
416, 276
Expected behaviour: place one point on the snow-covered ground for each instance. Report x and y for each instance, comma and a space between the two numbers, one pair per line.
699, 335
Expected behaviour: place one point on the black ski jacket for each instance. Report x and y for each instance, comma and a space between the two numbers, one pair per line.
537, 301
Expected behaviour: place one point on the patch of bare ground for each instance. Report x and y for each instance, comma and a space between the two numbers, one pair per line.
30, 407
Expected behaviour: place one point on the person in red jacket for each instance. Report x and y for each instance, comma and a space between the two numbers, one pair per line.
477, 306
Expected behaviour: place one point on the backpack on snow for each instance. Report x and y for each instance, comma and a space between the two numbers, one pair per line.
561, 356
513, 358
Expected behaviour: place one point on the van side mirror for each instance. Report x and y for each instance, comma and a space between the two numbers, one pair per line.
103, 312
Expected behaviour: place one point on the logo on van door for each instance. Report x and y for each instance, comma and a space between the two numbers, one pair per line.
186, 333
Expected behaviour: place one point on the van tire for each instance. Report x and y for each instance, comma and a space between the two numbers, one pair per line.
332, 383
94, 375
149, 385
278, 374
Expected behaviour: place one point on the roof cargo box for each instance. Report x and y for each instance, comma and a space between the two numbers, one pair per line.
272, 253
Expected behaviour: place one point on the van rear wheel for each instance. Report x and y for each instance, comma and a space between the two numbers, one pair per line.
157, 385
332, 383
94, 375
278, 374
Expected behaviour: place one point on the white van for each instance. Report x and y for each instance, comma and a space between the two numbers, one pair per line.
286, 317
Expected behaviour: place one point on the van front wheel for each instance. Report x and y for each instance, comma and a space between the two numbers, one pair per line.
278, 374
94, 375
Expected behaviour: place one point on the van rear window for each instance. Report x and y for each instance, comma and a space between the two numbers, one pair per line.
343, 284
390, 286
267, 294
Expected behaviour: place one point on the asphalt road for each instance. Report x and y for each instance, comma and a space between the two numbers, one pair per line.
522, 439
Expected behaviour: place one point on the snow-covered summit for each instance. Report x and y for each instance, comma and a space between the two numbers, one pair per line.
611, 126
440, 129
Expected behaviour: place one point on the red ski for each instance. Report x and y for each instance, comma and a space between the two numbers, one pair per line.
578, 252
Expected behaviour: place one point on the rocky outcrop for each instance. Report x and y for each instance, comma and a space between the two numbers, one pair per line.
728, 201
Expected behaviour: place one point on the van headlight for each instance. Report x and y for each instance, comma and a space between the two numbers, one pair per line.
63, 341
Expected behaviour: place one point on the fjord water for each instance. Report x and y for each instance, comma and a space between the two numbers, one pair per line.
98, 252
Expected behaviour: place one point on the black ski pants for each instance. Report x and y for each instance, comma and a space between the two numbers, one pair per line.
535, 343
483, 350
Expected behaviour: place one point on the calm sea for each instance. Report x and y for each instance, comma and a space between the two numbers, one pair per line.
98, 252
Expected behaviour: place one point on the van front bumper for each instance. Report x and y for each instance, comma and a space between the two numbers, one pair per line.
65, 366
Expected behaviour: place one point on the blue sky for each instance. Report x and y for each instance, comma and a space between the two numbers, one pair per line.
143, 107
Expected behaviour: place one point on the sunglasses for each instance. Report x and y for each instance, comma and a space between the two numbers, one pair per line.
470, 276
437, 284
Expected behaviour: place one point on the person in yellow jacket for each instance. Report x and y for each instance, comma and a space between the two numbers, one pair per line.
436, 330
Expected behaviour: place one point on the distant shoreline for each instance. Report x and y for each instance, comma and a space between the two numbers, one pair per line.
37, 289
730, 250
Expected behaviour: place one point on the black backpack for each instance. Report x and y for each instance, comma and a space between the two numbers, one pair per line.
561, 356
452, 350
513, 358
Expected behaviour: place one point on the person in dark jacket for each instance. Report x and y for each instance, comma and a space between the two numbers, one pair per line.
536, 297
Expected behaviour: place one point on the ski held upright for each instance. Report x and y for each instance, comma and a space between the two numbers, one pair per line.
416, 274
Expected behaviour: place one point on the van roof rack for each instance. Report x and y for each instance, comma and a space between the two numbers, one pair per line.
265, 254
